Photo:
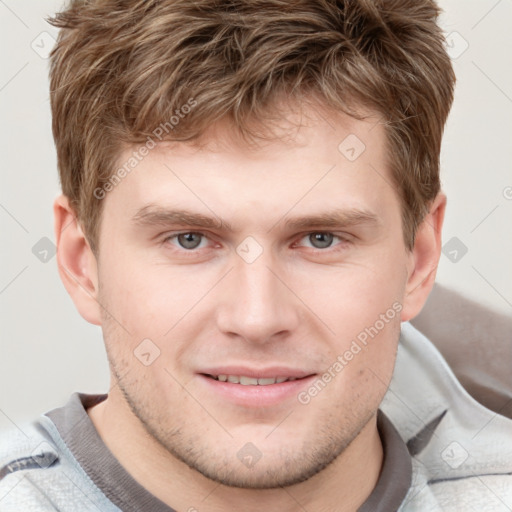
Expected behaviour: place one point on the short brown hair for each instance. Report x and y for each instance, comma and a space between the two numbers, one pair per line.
122, 68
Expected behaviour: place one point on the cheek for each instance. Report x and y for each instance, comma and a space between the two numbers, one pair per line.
352, 298
361, 366
149, 299
362, 308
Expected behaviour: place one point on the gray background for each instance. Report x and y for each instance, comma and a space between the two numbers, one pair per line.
47, 350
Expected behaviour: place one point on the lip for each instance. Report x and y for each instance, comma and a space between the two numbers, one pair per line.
264, 373
256, 396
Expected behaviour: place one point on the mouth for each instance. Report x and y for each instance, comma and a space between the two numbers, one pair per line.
261, 388
251, 381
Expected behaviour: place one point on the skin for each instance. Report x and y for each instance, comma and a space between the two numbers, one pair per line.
296, 305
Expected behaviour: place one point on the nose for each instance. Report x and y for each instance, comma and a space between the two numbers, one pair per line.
256, 303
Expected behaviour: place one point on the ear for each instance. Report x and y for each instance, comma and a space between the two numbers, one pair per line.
424, 259
76, 262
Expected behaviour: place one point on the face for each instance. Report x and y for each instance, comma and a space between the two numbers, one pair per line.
225, 270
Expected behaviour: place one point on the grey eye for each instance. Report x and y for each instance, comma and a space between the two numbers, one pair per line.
321, 240
189, 240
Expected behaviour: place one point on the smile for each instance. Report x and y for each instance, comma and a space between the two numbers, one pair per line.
251, 381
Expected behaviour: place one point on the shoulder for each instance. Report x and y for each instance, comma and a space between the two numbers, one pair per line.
461, 451
39, 473
25, 455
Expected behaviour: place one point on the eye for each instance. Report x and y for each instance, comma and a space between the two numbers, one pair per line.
189, 240
321, 239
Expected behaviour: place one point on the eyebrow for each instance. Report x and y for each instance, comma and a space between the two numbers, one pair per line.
333, 219
152, 215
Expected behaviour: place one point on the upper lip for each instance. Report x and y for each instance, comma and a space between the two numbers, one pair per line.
274, 371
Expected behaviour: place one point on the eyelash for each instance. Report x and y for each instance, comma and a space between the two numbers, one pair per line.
343, 240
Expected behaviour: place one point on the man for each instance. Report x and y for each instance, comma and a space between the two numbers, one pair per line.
251, 210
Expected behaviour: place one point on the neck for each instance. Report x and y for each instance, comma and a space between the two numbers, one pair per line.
343, 486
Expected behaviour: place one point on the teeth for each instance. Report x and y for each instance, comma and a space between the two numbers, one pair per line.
252, 381
266, 382
248, 381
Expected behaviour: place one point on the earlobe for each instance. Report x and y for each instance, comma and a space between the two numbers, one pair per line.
76, 262
424, 259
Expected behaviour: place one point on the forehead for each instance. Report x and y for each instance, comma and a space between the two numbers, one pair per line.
315, 159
